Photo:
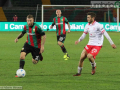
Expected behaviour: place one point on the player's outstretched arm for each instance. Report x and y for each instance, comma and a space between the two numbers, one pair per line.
68, 27
110, 40
19, 36
52, 25
43, 42
113, 46
81, 38
76, 42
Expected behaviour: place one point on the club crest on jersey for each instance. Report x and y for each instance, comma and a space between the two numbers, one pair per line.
61, 19
33, 29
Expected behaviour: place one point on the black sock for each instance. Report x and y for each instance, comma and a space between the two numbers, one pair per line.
63, 49
41, 57
22, 63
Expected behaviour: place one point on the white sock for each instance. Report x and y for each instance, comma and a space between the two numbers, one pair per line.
93, 64
79, 70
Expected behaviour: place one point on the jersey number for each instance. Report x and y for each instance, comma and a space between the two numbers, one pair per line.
37, 58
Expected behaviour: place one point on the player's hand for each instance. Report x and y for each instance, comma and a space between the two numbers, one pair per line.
113, 46
76, 42
16, 40
51, 27
68, 31
42, 49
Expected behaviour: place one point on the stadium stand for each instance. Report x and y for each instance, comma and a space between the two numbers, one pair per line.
22, 8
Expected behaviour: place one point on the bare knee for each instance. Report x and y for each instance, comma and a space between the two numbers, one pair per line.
22, 56
89, 56
34, 61
83, 55
60, 43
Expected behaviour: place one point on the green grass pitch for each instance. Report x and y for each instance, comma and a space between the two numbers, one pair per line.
54, 73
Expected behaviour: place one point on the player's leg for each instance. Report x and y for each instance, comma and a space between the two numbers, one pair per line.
40, 56
34, 61
66, 56
92, 61
62, 47
91, 56
61, 40
22, 60
36, 55
25, 50
80, 66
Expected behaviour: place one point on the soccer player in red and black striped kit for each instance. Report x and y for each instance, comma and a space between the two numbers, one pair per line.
33, 44
60, 21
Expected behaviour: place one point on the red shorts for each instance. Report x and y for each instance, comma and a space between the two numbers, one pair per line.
94, 50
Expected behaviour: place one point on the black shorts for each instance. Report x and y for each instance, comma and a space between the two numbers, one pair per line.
30, 49
61, 38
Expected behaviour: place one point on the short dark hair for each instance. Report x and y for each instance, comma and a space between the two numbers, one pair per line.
30, 16
92, 14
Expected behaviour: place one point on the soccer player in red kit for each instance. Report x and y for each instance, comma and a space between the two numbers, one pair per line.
96, 32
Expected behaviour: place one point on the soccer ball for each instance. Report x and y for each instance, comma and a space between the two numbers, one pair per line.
21, 73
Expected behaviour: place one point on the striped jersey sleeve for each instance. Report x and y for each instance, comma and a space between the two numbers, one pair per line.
101, 28
66, 20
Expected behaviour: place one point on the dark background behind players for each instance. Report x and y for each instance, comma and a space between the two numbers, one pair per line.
24, 7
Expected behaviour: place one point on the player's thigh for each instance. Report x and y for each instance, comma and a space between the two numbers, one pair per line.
25, 50
83, 55
94, 52
61, 39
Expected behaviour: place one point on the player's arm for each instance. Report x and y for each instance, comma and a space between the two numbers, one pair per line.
42, 33
52, 24
20, 35
106, 35
68, 27
66, 21
82, 36
109, 39
43, 42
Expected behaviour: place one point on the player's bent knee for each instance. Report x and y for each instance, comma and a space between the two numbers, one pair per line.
89, 56
60, 43
83, 56
34, 61
22, 57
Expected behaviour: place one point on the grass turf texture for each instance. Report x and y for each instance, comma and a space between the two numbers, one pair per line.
54, 73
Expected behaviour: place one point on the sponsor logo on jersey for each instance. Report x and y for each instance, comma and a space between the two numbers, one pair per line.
31, 33
58, 23
61, 19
